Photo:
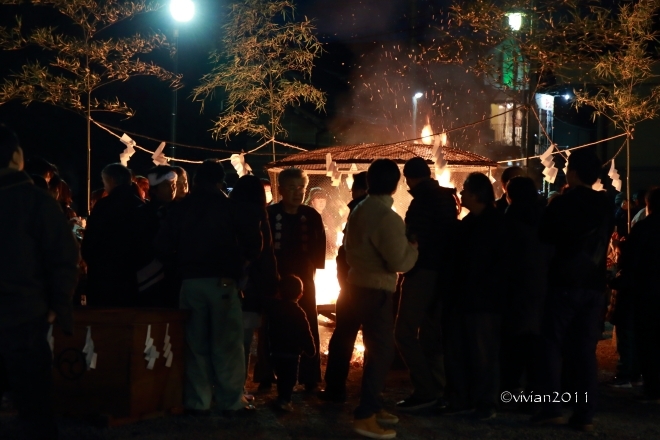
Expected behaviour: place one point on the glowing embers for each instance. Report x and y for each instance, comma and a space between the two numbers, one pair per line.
325, 333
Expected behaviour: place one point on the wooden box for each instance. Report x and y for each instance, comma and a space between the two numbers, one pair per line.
119, 386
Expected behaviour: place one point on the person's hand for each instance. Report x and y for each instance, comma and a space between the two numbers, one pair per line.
51, 316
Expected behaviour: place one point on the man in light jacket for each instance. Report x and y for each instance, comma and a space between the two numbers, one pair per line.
377, 249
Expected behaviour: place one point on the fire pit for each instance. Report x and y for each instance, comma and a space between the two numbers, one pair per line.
353, 159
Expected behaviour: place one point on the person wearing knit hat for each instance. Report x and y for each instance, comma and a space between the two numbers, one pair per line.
431, 222
317, 199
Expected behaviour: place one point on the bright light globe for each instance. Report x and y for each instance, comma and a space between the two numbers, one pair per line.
418, 95
182, 10
515, 21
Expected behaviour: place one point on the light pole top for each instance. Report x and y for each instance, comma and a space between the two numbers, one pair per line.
182, 10
418, 95
515, 20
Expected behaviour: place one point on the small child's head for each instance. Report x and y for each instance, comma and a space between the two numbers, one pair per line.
290, 288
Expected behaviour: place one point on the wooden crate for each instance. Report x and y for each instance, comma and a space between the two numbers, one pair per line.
120, 388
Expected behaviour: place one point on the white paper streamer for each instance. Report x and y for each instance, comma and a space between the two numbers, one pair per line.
438, 154
125, 155
550, 172
88, 349
158, 156
349, 181
238, 162
51, 340
150, 351
614, 175
167, 347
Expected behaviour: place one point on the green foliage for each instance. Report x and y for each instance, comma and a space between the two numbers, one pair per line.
622, 95
79, 63
570, 40
263, 67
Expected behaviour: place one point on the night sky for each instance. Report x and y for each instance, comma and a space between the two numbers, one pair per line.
366, 72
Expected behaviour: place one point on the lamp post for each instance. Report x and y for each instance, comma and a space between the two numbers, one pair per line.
416, 96
181, 11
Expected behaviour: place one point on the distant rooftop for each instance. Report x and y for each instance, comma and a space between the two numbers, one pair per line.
363, 154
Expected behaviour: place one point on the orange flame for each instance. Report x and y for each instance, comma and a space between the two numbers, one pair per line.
427, 135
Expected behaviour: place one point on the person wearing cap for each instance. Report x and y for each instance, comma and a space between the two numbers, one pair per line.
157, 284
111, 244
431, 221
212, 239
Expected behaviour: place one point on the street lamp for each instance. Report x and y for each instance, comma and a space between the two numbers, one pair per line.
515, 20
182, 11
416, 96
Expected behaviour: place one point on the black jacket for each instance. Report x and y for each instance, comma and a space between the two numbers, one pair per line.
262, 273
38, 255
480, 262
526, 270
502, 203
112, 249
640, 262
579, 224
431, 221
211, 236
342, 264
288, 330
298, 240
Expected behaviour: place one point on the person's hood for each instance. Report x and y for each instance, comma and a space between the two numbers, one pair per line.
11, 178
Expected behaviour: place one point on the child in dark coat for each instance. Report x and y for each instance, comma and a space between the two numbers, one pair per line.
290, 336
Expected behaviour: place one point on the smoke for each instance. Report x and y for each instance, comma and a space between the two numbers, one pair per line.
379, 107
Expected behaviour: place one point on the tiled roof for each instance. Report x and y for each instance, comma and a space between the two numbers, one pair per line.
365, 153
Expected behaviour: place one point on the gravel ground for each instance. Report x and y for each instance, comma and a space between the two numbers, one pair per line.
618, 418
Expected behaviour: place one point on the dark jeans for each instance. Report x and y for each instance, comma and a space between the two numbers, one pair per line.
286, 370
628, 366
342, 343
263, 369
518, 361
372, 309
28, 362
310, 367
472, 359
418, 334
572, 325
647, 333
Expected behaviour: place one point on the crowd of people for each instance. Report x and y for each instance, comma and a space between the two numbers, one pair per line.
512, 297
